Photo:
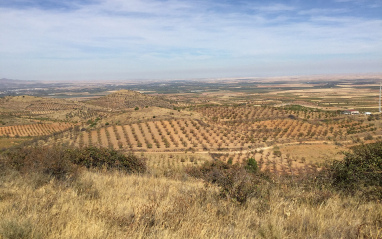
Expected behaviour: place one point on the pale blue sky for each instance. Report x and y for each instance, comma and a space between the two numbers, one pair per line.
178, 39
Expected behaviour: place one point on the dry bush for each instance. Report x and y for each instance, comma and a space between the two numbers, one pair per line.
93, 157
359, 172
237, 182
62, 163
49, 161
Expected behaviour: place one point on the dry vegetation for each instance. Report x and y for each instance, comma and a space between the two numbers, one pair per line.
124, 99
197, 183
113, 204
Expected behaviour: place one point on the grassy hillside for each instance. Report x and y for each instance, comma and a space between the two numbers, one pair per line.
102, 203
115, 205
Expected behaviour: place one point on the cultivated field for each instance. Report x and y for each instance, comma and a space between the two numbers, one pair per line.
129, 99
230, 124
33, 129
236, 133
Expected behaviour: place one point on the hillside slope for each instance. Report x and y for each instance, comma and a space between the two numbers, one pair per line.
129, 99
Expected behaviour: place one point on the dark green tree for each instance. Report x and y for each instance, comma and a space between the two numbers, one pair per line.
251, 165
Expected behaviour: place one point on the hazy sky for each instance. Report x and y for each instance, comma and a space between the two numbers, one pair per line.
161, 39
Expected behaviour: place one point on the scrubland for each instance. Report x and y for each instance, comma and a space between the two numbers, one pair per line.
61, 201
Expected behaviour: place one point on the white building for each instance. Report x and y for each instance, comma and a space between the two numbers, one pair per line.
350, 112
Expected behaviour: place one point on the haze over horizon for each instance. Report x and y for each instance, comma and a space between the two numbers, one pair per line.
164, 39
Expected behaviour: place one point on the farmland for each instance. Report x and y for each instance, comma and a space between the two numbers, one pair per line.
33, 129
240, 133
217, 122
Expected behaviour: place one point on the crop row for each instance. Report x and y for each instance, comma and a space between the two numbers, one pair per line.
33, 129
268, 161
182, 134
253, 113
50, 107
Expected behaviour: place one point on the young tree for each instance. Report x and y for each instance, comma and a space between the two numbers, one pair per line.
251, 165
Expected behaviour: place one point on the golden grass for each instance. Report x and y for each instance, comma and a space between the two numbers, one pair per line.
9, 142
116, 205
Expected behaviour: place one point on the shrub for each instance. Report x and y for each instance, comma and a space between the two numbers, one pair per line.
234, 181
237, 184
51, 161
251, 165
62, 163
368, 137
92, 157
361, 170
277, 153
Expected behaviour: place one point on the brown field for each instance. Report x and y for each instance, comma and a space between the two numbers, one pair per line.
321, 92
36, 104
314, 153
250, 124
33, 129
231, 133
125, 99
234, 134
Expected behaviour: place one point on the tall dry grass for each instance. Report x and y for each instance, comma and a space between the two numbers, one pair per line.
108, 204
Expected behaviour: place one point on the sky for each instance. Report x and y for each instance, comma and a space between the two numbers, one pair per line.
187, 39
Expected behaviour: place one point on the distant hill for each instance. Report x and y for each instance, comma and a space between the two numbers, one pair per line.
49, 108
129, 99
33, 103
